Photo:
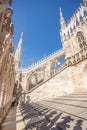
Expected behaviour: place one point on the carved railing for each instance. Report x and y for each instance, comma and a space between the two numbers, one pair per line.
78, 57
71, 61
58, 54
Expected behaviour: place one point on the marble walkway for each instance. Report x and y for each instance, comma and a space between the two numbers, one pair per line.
14, 120
68, 112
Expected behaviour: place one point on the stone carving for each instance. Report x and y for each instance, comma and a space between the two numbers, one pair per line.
7, 19
7, 76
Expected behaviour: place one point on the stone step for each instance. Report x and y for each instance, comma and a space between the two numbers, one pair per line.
60, 119
63, 113
76, 96
71, 99
28, 112
36, 122
79, 93
69, 102
73, 110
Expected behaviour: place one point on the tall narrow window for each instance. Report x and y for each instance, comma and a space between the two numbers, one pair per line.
81, 40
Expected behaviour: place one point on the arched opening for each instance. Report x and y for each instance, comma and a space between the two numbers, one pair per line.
57, 64
35, 78
85, 77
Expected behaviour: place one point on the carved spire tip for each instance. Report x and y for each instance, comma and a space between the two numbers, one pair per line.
22, 34
61, 15
60, 9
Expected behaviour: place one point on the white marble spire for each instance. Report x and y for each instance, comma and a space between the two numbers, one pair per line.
62, 21
18, 52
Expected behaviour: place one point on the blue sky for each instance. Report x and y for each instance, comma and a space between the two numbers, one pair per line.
39, 20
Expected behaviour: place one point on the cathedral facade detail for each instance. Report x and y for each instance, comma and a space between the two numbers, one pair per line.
54, 77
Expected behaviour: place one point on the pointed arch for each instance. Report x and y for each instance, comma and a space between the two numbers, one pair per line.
81, 39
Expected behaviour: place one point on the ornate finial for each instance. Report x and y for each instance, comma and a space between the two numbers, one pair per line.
22, 34
60, 12
19, 52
